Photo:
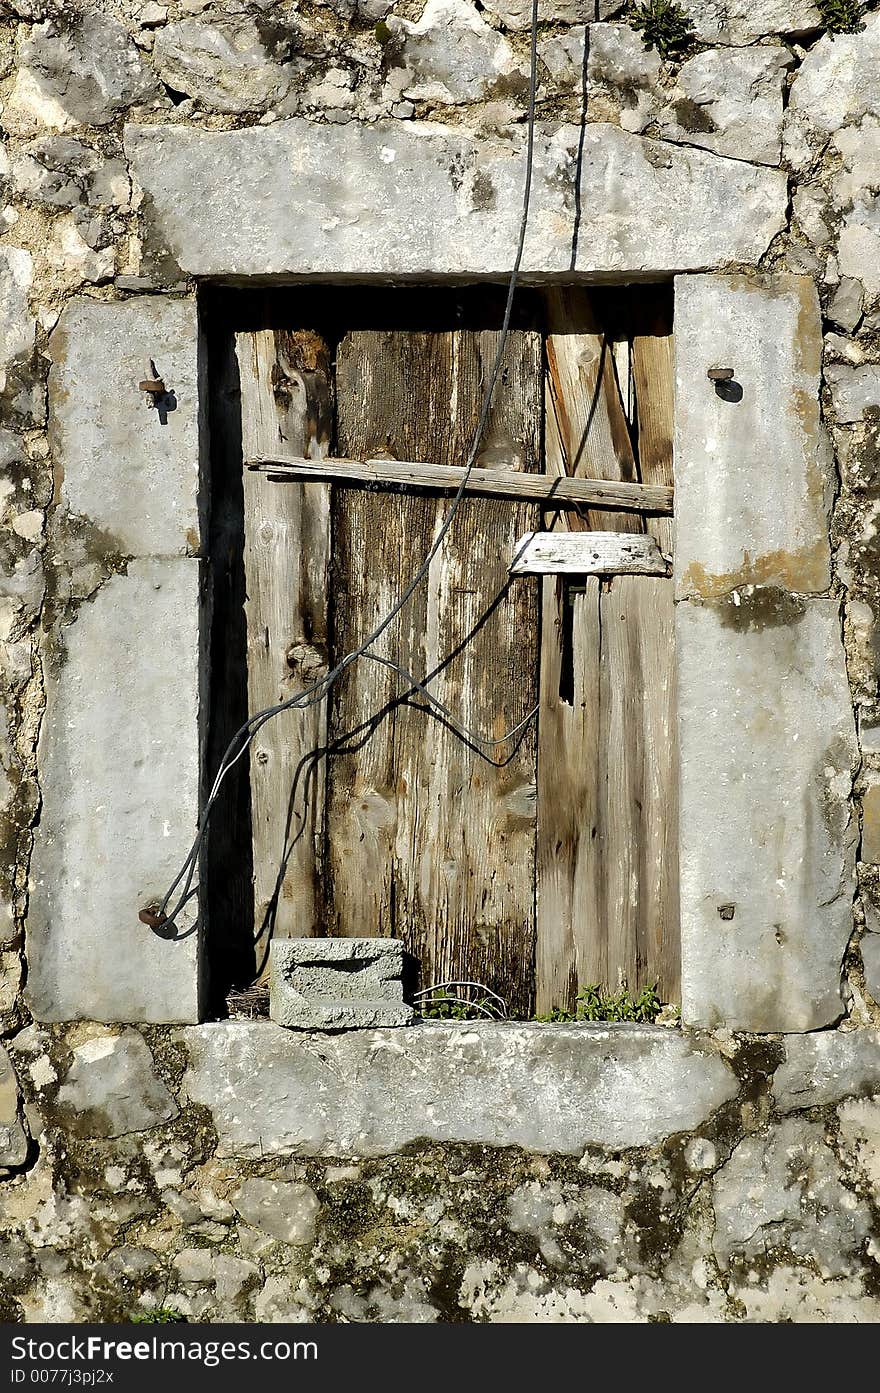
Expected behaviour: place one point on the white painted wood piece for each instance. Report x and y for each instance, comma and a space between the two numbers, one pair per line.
588, 553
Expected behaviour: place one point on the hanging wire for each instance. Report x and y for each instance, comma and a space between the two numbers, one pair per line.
311, 695
351, 741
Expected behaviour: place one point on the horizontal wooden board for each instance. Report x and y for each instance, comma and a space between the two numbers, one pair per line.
588, 553
496, 483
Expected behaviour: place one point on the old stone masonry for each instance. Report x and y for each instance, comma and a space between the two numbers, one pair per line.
723, 1167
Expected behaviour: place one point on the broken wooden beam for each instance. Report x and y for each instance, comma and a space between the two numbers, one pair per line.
497, 483
588, 553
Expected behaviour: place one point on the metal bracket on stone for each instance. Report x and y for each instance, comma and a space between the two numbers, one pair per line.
152, 385
160, 397
337, 983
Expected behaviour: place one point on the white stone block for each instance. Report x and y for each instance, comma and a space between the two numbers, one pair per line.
767, 838
750, 478
131, 470
119, 764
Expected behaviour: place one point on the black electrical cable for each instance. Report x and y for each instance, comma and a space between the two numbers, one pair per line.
244, 736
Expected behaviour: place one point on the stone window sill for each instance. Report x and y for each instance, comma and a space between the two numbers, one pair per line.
541, 1086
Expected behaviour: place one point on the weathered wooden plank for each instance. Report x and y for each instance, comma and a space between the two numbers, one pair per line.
586, 428
286, 402
654, 381
554, 490
568, 946
638, 784
425, 838
607, 880
587, 553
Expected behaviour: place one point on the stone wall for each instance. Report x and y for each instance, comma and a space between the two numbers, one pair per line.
708, 1176
512, 1172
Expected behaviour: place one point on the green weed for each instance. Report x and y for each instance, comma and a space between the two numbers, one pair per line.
667, 27
594, 1004
841, 16
440, 1007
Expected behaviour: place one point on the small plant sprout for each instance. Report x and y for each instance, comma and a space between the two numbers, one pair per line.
667, 27
841, 16
460, 1001
594, 1004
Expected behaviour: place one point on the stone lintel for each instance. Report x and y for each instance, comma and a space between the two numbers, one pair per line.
420, 200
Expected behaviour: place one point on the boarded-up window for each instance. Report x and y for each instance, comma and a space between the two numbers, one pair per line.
545, 861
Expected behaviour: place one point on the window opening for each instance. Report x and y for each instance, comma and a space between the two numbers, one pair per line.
555, 866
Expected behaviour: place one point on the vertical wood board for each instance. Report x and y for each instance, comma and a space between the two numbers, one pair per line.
607, 886
654, 382
568, 950
426, 839
639, 783
286, 397
586, 428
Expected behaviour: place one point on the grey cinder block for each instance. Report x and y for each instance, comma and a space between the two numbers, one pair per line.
337, 983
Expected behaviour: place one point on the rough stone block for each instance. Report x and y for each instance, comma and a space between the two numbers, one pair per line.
750, 479
132, 471
517, 14
222, 61
119, 755
743, 21
730, 101
284, 1209
17, 325
767, 839
870, 946
546, 1088
451, 55
112, 1088
13, 1142
870, 850
419, 199
337, 983
845, 309
799, 1203
83, 72
859, 245
825, 1068
837, 82
853, 390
